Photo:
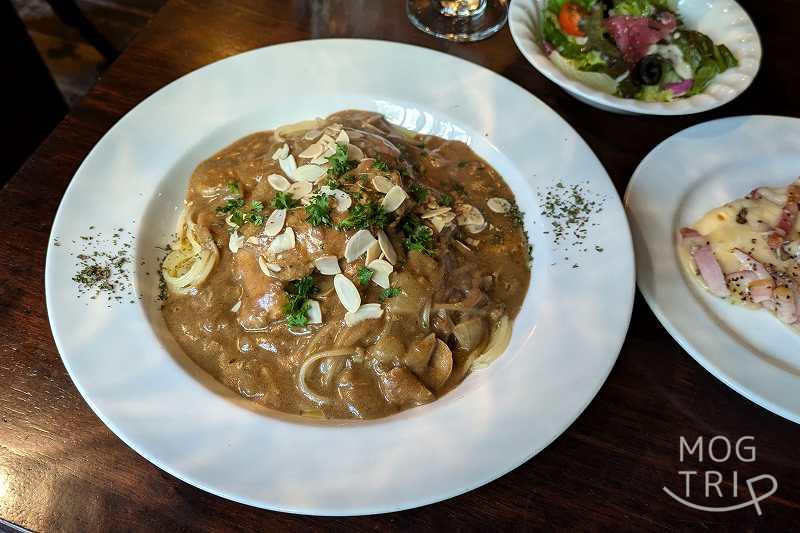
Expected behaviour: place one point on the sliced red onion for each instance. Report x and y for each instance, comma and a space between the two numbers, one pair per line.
710, 270
751, 263
680, 88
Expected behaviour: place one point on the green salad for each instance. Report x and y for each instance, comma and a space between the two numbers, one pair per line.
631, 48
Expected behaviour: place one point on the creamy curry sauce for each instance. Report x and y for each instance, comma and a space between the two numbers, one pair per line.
449, 301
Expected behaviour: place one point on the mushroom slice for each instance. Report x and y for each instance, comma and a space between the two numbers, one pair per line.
420, 353
282, 243
469, 216
358, 244
314, 312
354, 153
382, 184
310, 173
386, 247
288, 165
312, 152
394, 199
498, 205
347, 292
274, 223
281, 153
300, 189
235, 242
382, 270
278, 182
476, 228
440, 366
328, 265
365, 312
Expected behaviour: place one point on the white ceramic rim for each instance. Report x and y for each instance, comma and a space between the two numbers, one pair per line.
728, 23
689, 313
482, 430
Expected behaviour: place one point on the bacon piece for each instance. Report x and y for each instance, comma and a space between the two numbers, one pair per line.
785, 307
710, 271
751, 263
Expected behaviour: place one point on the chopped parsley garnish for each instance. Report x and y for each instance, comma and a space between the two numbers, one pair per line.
233, 188
446, 200
338, 161
418, 193
296, 306
318, 212
284, 200
333, 183
365, 216
419, 237
380, 165
391, 292
364, 275
240, 216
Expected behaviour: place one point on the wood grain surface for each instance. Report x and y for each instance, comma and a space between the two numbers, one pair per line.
61, 469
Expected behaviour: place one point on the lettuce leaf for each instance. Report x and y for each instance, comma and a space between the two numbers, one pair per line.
706, 59
642, 8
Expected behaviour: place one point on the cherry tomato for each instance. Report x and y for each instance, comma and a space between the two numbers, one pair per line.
570, 17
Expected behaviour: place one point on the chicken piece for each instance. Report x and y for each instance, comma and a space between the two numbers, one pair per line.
310, 243
359, 393
262, 296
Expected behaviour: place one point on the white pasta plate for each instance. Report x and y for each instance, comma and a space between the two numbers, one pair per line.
683, 178
135, 378
724, 21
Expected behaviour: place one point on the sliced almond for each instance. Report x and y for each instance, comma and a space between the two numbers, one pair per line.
358, 244
382, 270
498, 205
386, 247
310, 173
343, 200
394, 199
235, 242
278, 182
314, 312
342, 138
373, 252
354, 153
263, 265
312, 134
274, 223
469, 216
288, 165
274, 267
435, 213
281, 153
438, 223
300, 189
326, 140
382, 183
282, 243
328, 265
313, 151
347, 292
236, 307
365, 312
475, 228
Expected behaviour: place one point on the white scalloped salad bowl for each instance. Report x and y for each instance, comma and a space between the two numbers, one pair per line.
724, 21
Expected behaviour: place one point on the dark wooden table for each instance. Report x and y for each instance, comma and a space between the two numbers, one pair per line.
62, 469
